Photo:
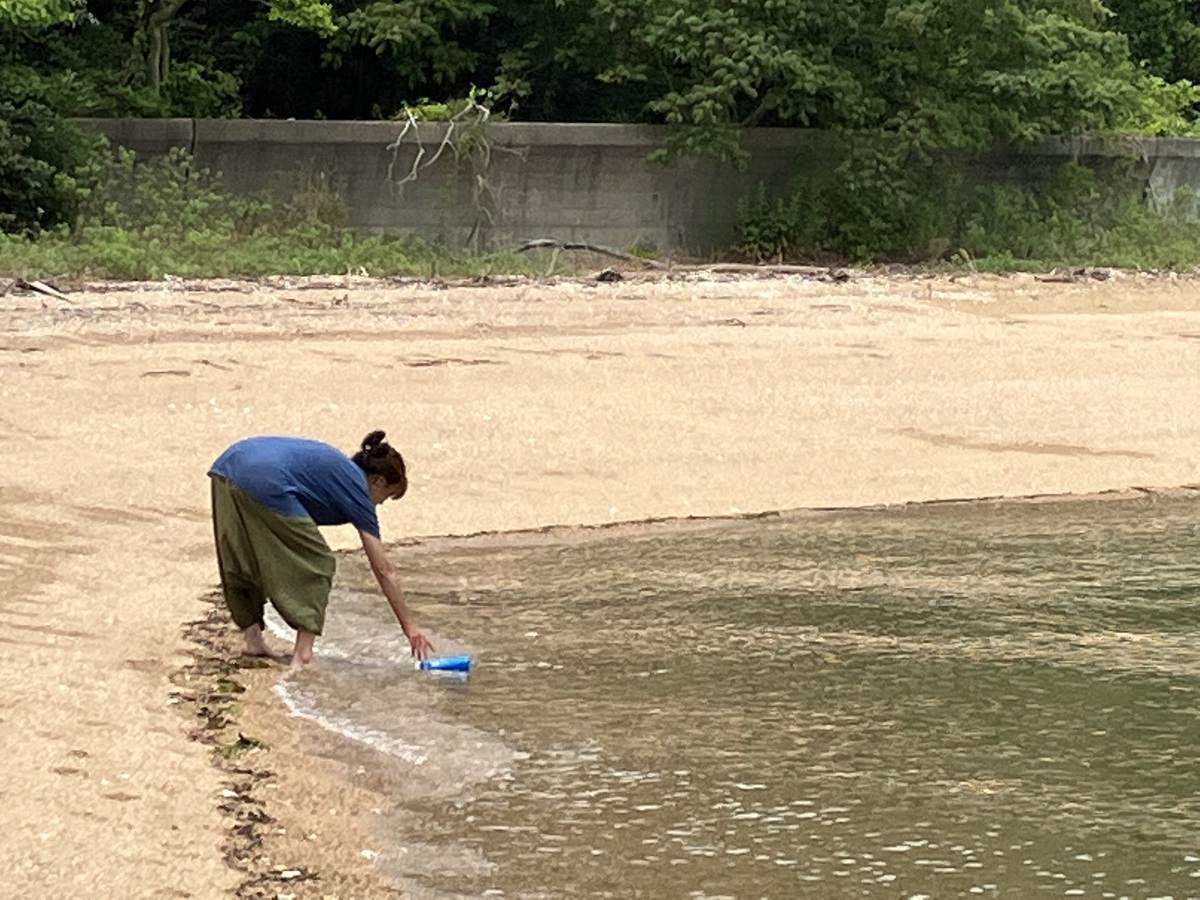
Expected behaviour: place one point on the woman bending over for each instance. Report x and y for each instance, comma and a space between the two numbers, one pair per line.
269, 495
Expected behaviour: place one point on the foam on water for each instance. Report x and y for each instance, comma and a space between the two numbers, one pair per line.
366, 688
305, 704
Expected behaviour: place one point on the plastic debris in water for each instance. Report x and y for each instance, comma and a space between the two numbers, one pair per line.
446, 664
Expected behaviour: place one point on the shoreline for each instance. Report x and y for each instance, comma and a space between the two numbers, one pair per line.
559, 532
227, 702
674, 400
255, 796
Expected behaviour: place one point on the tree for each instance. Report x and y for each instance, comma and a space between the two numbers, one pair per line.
911, 85
47, 167
152, 45
957, 73
1164, 35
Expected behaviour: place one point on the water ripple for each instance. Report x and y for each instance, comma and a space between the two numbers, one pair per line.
940, 701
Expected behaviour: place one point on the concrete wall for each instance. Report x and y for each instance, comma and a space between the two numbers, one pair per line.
591, 183
594, 183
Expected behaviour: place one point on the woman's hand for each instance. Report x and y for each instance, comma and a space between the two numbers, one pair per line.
420, 645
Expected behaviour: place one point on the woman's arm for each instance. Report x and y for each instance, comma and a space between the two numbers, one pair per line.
389, 583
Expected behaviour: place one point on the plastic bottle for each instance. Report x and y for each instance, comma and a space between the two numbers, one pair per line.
446, 664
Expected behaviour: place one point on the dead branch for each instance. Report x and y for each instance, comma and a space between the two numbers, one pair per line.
832, 274
40, 287
550, 243
813, 271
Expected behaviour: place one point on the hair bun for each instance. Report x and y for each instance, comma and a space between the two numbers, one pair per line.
378, 457
372, 440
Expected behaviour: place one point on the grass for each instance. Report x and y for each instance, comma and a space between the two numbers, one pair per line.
151, 254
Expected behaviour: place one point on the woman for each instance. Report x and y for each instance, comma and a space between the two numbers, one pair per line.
269, 494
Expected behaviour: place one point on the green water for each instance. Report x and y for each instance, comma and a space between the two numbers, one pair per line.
939, 701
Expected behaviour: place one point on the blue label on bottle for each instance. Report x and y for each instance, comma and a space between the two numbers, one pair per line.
447, 664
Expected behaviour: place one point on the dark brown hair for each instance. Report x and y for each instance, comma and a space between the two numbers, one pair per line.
378, 457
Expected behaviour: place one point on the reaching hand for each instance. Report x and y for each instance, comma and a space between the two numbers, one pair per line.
419, 644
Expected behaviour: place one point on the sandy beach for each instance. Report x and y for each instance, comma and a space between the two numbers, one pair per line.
518, 404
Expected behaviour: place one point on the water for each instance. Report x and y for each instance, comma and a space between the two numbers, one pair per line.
959, 700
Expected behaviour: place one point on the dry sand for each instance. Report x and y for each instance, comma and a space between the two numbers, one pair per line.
517, 405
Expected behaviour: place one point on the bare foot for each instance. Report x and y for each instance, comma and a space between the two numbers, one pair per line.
266, 653
302, 653
255, 647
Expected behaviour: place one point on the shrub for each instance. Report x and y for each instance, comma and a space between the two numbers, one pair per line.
48, 167
1073, 216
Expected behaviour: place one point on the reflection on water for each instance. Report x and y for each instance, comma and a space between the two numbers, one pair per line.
940, 701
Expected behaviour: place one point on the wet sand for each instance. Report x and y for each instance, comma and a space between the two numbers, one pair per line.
517, 405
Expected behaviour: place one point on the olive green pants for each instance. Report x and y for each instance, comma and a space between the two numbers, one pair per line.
264, 555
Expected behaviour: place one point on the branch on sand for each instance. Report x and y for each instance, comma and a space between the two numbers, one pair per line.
40, 287
551, 244
834, 274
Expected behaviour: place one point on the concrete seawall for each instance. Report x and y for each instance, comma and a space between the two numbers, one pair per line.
509, 182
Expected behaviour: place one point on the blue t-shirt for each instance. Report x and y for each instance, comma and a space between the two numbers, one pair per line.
301, 477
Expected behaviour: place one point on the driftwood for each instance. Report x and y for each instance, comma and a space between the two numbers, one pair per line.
778, 269
834, 274
42, 288
551, 244
1058, 276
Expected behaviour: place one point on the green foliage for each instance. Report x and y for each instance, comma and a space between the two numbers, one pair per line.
416, 36
1163, 35
168, 217
69, 93
1073, 216
243, 744
78, 67
313, 15
545, 60
937, 75
644, 250
469, 109
167, 196
787, 225
862, 210
913, 86
1166, 109
48, 167
36, 13
191, 89
983, 71
310, 250
711, 66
